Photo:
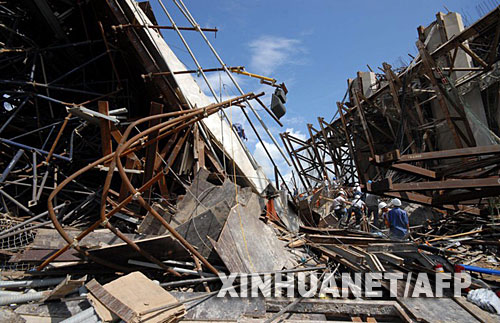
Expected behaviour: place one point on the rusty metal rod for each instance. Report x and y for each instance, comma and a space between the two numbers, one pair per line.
57, 225
59, 134
123, 145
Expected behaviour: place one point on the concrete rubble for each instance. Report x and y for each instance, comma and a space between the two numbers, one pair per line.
127, 194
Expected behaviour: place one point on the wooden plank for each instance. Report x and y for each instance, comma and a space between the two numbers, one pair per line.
476, 311
132, 296
392, 247
197, 230
248, 245
65, 287
335, 307
102, 311
447, 184
350, 255
431, 310
340, 239
162, 247
412, 169
39, 255
151, 150
151, 225
51, 239
105, 126
329, 253
111, 302
451, 153
390, 258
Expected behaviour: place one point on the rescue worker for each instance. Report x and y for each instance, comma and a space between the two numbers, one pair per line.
399, 225
326, 186
371, 201
384, 213
339, 204
358, 208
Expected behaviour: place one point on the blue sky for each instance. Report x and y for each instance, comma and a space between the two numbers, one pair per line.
312, 46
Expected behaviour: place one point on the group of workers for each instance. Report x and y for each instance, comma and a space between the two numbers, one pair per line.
394, 218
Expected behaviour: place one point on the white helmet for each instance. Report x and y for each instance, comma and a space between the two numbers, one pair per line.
382, 205
396, 202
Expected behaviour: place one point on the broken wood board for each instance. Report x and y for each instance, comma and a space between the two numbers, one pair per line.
131, 297
39, 255
436, 310
340, 308
191, 206
151, 225
65, 287
345, 239
208, 224
51, 239
162, 247
248, 245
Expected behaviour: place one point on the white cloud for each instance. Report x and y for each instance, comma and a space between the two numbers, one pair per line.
296, 133
270, 52
263, 159
293, 120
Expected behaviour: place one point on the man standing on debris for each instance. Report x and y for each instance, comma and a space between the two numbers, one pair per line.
371, 201
339, 204
384, 213
358, 207
326, 186
399, 225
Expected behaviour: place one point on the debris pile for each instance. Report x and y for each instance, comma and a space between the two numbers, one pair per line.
127, 194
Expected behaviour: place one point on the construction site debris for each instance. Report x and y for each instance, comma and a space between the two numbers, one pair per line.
128, 194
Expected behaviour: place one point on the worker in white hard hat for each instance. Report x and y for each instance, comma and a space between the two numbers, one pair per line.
383, 214
339, 204
358, 208
399, 225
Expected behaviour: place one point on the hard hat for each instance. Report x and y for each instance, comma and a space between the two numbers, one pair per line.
382, 205
341, 192
396, 202
334, 178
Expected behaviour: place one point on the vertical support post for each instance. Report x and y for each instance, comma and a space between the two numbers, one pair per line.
105, 126
330, 149
348, 140
35, 181
286, 142
394, 93
151, 150
316, 151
